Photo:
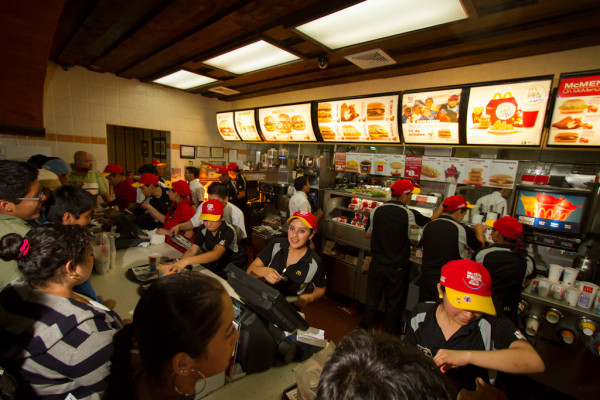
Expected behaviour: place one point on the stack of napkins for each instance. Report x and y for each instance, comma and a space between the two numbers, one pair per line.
312, 336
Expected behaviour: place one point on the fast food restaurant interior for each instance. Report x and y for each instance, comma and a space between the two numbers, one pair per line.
495, 101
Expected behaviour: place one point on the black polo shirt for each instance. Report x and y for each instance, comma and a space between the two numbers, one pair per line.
445, 240
507, 268
309, 269
226, 237
162, 203
231, 191
389, 226
487, 333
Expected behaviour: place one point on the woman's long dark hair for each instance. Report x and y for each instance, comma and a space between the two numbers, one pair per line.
49, 247
178, 313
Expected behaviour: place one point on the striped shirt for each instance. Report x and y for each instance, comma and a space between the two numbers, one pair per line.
55, 345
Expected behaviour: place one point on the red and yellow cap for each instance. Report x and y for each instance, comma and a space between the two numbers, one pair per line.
304, 216
212, 210
112, 169
158, 163
404, 186
455, 203
182, 188
146, 179
509, 227
468, 286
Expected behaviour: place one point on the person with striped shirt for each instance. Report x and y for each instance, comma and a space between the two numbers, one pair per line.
55, 341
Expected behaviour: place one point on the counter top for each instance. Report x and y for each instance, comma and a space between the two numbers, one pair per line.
551, 302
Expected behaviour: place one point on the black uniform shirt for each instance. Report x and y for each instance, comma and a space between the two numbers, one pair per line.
162, 203
309, 269
486, 333
507, 268
389, 225
225, 237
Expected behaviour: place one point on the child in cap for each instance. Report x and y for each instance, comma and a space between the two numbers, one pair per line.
508, 263
157, 202
181, 210
461, 332
125, 192
215, 240
290, 265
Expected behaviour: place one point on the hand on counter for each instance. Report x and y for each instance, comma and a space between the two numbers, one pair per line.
177, 266
174, 230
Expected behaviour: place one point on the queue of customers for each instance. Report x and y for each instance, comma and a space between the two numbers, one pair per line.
60, 339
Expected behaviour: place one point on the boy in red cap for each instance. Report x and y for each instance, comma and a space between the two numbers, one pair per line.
508, 264
388, 228
160, 168
157, 201
446, 239
239, 183
125, 193
461, 332
217, 242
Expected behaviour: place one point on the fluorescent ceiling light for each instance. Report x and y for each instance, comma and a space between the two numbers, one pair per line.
255, 56
376, 19
184, 80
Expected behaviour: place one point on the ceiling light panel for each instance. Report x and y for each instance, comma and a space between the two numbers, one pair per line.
184, 80
376, 19
253, 57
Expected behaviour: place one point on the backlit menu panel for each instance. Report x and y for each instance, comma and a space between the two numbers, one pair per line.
287, 123
226, 127
246, 126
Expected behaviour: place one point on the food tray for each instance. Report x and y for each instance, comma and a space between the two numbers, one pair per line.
143, 274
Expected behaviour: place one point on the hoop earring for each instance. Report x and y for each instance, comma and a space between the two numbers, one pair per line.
74, 276
183, 371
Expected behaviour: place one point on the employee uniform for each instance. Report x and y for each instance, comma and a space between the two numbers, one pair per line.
508, 270
443, 240
487, 333
179, 212
308, 270
299, 202
197, 195
389, 272
161, 204
9, 270
125, 194
493, 202
227, 238
231, 190
240, 185
231, 214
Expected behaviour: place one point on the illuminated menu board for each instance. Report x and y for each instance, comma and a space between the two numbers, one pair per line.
226, 127
289, 123
575, 119
370, 119
245, 126
510, 113
431, 117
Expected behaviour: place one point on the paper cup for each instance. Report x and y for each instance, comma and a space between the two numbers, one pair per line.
558, 291
555, 272
153, 261
544, 287
588, 294
532, 325
570, 275
572, 296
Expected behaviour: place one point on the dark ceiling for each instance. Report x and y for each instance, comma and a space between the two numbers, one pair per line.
146, 39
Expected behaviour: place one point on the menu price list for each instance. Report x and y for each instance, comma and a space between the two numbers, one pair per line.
245, 125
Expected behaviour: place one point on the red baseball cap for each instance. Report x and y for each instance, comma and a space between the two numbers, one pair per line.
455, 203
180, 187
233, 167
404, 186
221, 170
509, 227
468, 286
304, 216
158, 163
146, 179
212, 210
112, 169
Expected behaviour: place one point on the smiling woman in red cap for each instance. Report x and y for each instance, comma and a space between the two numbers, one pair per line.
290, 265
508, 263
461, 332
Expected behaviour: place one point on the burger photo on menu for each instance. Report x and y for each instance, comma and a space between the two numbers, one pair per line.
377, 132
375, 111
566, 137
225, 128
444, 133
326, 132
270, 124
298, 123
572, 106
350, 132
284, 124
324, 112
501, 180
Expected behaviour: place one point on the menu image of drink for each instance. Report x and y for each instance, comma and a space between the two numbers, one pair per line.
365, 163
226, 126
286, 123
381, 164
502, 173
549, 210
508, 114
372, 119
431, 117
245, 125
575, 118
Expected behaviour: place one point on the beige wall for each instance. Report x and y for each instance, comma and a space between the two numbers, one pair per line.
79, 103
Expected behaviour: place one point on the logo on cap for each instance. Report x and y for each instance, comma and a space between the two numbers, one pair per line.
473, 280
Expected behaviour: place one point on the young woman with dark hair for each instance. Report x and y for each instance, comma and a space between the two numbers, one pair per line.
55, 341
182, 333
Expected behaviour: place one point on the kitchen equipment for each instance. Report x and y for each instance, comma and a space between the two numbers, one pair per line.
272, 157
588, 268
282, 156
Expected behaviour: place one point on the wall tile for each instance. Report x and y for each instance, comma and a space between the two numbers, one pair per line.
111, 97
81, 127
113, 115
64, 126
96, 94
97, 129
79, 92
125, 100
96, 112
80, 109
140, 102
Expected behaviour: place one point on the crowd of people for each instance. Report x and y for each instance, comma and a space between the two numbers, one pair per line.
61, 338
